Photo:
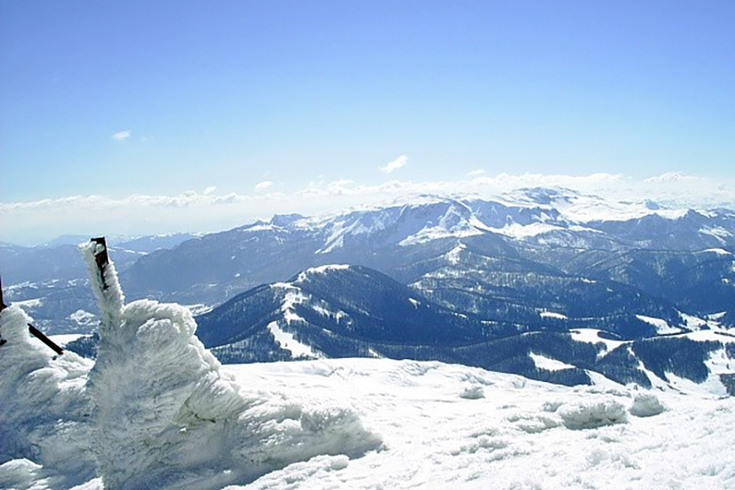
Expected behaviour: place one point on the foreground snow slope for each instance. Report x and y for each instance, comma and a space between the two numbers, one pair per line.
449, 426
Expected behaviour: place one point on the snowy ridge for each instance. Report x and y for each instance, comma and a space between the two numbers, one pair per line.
579, 207
339, 311
293, 296
520, 215
322, 269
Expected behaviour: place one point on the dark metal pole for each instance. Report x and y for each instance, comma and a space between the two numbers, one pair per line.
33, 330
40, 336
2, 302
102, 259
2, 307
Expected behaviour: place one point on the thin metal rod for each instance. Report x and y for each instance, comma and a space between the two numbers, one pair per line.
33, 330
2, 302
102, 259
2, 307
40, 336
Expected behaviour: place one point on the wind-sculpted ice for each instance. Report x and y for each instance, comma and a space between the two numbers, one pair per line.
44, 409
166, 416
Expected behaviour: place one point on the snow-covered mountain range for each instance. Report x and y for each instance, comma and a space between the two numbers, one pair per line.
539, 231
352, 311
454, 279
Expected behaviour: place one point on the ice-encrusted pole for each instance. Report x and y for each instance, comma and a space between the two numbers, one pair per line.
104, 283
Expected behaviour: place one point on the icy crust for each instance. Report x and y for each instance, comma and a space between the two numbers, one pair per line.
44, 410
167, 417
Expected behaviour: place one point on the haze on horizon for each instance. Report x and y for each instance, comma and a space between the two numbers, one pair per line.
189, 116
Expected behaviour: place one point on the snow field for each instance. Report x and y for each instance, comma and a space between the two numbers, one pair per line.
520, 434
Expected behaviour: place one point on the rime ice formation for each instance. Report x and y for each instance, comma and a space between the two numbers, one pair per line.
167, 417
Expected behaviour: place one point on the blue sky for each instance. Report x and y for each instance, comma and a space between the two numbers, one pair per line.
158, 98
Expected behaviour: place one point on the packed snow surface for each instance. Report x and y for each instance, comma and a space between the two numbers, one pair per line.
543, 362
519, 231
62, 339
592, 336
718, 251
82, 317
29, 304
553, 314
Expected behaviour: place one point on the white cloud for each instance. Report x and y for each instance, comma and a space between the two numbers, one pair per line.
122, 135
476, 173
669, 177
582, 182
399, 162
207, 211
261, 186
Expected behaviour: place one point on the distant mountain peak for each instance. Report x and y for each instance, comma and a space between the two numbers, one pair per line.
285, 220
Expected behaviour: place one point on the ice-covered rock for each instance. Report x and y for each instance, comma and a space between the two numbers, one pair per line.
646, 405
593, 413
473, 392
